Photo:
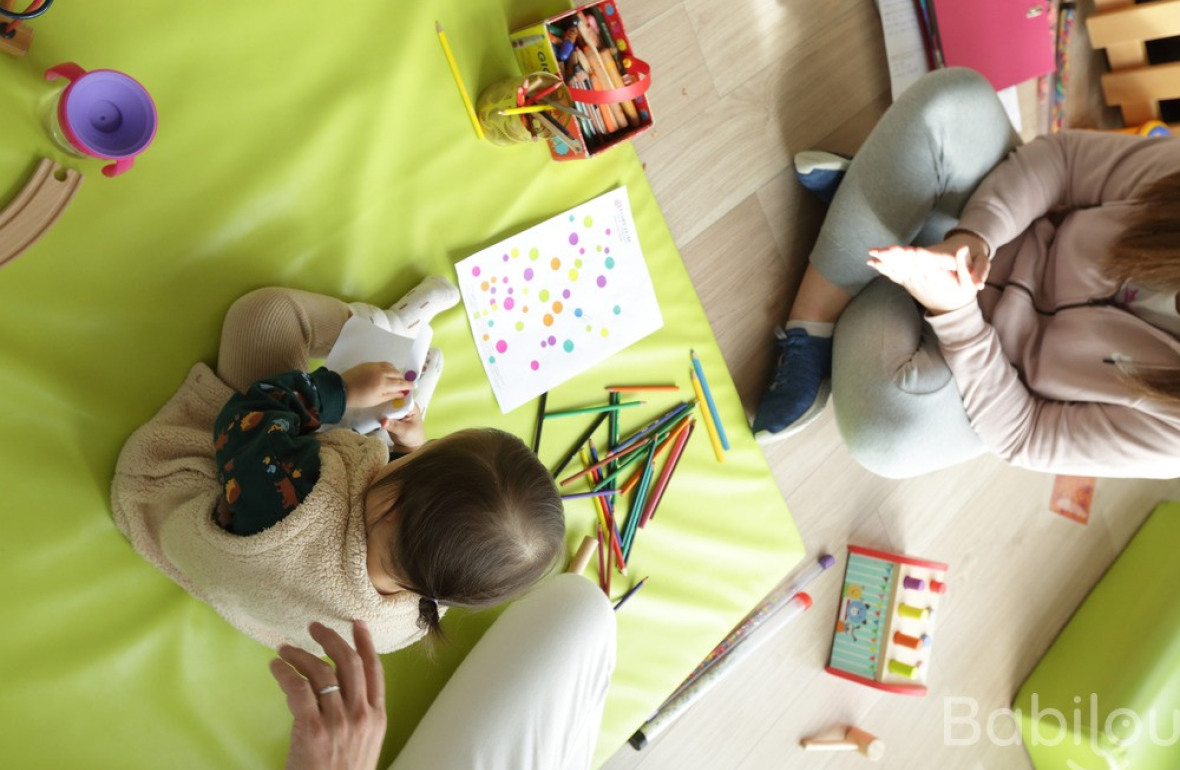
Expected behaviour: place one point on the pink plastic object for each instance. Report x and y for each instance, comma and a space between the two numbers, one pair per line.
104, 114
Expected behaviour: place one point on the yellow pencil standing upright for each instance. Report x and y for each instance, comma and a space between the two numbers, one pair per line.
442, 38
714, 438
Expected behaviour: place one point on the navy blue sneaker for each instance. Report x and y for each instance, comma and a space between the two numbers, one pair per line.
799, 386
821, 172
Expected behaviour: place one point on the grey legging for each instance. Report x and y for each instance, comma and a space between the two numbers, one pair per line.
896, 402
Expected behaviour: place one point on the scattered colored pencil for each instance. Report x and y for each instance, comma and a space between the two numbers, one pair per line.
636, 512
655, 424
640, 388
666, 474
604, 461
629, 594
540, 422
442, 39
606, 510
696, 364
573, 452
581, 495
713, 437
593, 409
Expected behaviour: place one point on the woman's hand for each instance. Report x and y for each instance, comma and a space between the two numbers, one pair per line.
408, 433
374, 383
942, 278
341, 729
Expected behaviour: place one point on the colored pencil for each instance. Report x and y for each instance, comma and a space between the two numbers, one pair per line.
442, 39
593, 409
607, 479
604, 461
629, 594
534, 98
639, 388
713, 437
647, 430
660, 446
573, 452
696, 364
540, 423
603, 504
527, 109
560, 107
666, 474
636, 512
607, 506
581, 495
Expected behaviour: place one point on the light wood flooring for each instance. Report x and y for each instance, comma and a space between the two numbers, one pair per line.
740, 86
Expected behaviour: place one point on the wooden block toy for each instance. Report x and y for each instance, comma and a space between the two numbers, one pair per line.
854, 739
15, 35
886, 621
35, 208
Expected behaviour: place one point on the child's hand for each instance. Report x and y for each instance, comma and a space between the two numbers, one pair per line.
373, 383
408, 433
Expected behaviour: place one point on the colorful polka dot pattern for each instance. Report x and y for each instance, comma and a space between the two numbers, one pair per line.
568, 278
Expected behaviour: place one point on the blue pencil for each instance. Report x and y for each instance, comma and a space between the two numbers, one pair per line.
696, 363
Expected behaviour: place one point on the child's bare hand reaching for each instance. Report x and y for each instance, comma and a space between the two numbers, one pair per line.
374, 383
408, 433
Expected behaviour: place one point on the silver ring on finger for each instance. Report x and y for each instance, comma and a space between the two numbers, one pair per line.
329, 689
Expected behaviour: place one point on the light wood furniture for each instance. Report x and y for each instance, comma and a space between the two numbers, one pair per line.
1123, 29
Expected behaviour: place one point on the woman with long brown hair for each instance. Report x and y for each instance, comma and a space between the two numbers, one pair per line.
1046, 276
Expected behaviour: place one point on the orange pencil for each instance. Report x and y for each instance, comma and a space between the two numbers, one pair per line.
631, 482
604, 461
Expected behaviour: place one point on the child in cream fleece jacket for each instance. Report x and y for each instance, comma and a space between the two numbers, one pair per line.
231, 493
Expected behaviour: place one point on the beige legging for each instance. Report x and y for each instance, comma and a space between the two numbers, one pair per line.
273, 330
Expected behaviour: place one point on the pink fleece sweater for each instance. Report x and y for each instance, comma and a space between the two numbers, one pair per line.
1038, 358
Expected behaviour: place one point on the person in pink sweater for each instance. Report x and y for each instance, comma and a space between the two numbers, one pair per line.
1029, 304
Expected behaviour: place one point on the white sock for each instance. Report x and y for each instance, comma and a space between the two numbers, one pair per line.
813, 328
426, 300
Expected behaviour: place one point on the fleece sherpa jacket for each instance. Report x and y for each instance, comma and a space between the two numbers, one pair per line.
312, 565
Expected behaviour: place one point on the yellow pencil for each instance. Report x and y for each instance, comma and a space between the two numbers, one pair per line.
714, 438
442, 38
525, 110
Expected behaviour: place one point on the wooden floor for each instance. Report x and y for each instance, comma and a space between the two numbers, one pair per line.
740, 87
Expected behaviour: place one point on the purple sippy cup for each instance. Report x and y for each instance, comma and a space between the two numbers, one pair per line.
102, 114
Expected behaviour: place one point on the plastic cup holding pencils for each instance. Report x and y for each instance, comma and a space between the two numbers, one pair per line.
497, 104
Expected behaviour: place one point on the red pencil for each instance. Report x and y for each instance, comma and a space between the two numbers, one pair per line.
669, 469
608, 516
604, 461
631, 482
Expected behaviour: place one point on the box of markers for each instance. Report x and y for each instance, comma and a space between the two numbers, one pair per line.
588, 49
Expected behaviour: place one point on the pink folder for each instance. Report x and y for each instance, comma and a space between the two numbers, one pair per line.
1006, 41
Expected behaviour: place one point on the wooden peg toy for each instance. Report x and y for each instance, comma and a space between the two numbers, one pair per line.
35, 208
855, 739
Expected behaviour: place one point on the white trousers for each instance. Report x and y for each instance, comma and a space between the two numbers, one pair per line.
530, 694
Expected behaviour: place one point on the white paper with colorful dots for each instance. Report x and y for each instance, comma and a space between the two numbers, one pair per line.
552, 301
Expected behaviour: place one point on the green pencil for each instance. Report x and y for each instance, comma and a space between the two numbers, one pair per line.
593, 409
